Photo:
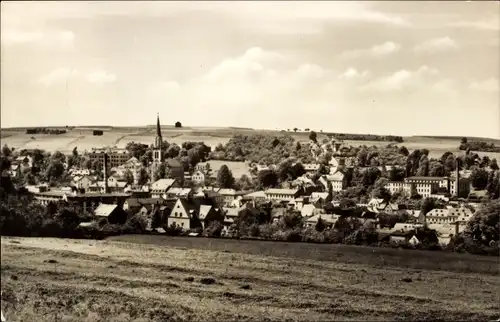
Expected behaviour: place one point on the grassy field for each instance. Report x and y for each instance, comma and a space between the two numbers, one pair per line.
82, 138
83, 280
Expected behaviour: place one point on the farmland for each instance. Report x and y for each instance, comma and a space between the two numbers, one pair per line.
82, 138
195, 279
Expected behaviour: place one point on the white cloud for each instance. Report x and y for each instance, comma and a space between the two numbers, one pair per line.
378, 51
493, 24
402, 79
436, 45
100, 77
63, 75
352, 73
59, 75
489, 85
49, 37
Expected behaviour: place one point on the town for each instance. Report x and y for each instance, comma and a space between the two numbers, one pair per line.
343, 194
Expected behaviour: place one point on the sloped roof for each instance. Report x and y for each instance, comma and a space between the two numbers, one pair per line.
337, 176
204, 210
173, 163
104, 210
307, 210
162, 184
256, 194
281, 191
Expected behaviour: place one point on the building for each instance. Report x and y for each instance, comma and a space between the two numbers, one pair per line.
83, 182
133, 165
114, 185
157, 149
176, 192
311, 167
181, 214
175, 170
448, 216
336, 180
230, 195
160, 187
116, 157
282, 194
113, 213
198, 177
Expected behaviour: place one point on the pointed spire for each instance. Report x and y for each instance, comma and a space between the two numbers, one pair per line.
158, 128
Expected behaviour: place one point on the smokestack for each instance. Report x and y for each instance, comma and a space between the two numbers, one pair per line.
457, 177
105, 172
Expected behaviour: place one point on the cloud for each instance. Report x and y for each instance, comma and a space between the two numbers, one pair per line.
63, 75
378, 51
489, 85
100, 77
402, 79
352, 73
436, 45
493, 24
49, 37
59, 75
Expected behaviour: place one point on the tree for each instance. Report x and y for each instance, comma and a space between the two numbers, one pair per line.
6, 152
143, 177
428, 204
404, 151
173, 151
493, 164
267, 178
245, 183
178, 124
485, 161
464, 140
380, 191
313, 136
423, 166
136, 150
55, 170
298, 146
479, 178
129, 177
484, 226
369, 176
396, 174
295, 129
225, 177
493, 185
320, 225
436, 169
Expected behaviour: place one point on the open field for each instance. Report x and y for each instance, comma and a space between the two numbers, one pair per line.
84, 280
82, 138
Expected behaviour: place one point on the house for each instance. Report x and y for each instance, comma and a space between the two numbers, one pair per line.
379, 205
160, 187
211, 213
281, 194
230, 195
181, 214
230, 214
176, 192
133, 205
198, 177
203, 167
311, 167
448, 215
114, 185
175, 169
255, 196
113, 213
310, 210
83, 182
328, 219
116, 157
336, 180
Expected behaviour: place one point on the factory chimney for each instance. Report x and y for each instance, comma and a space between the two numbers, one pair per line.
457, 177
105, 172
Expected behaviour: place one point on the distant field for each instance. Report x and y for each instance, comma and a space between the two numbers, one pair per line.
237, 168
83, 280
82, 138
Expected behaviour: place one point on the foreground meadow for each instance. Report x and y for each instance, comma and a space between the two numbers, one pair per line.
83, 280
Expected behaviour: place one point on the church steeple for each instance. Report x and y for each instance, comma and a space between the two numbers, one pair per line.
157, 153
158, 139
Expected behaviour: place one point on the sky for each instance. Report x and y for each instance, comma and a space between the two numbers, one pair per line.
395, 68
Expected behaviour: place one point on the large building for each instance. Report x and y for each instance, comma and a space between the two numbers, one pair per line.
116, 157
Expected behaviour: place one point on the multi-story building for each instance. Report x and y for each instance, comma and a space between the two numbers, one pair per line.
116, 157
281, 194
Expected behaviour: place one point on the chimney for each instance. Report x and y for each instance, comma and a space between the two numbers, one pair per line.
457, 177
105, 172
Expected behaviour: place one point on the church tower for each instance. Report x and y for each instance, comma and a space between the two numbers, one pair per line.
157, 149
157, 155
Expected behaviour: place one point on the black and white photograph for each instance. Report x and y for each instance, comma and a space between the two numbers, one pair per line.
250, 161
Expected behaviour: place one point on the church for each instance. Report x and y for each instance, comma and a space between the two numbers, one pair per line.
175, 169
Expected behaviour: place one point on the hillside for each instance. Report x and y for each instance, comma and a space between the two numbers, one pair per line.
83, 139
47, 279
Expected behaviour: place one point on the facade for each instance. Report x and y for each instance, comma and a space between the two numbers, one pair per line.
116, 157
448, 216
198, 177
311, 167
181, 214
114, 185
230, 195
282, 194
160, 187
